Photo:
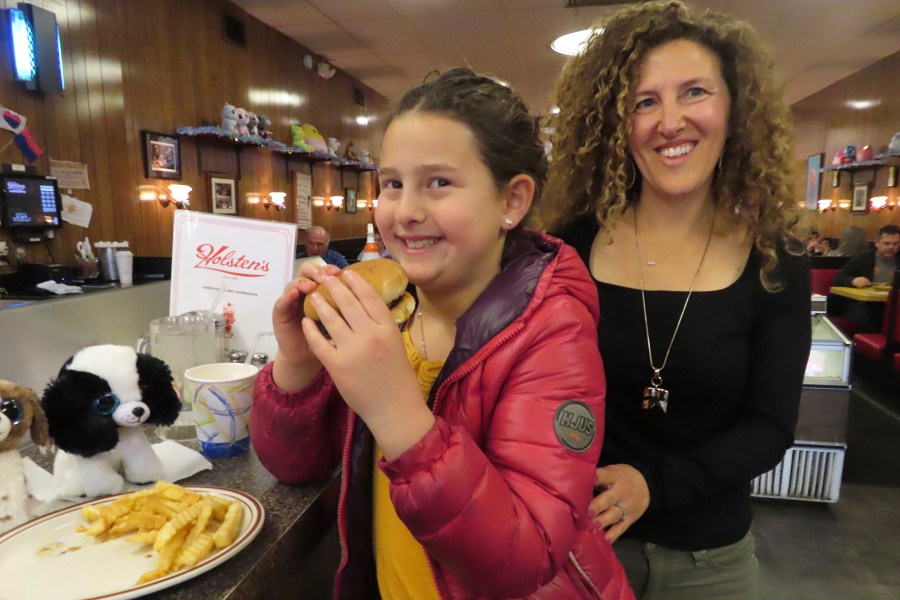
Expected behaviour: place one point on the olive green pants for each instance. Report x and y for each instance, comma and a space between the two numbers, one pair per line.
658, 573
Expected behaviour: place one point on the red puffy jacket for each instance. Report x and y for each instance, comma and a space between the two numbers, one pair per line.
494, 491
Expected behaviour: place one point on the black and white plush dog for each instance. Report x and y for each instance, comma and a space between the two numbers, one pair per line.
95, 408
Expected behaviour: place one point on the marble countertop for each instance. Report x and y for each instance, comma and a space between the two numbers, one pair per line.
297, 518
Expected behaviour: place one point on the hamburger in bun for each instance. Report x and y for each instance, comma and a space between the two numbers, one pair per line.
389, 280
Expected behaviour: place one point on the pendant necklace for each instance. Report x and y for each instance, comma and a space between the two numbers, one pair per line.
421, 321
655, 395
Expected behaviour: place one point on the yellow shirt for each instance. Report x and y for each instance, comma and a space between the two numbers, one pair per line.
403, 570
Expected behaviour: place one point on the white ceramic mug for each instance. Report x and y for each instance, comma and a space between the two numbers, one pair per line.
221, 395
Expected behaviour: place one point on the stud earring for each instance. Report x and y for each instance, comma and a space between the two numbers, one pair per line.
507, 221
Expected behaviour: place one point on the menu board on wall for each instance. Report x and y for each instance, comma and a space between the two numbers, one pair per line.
234, 266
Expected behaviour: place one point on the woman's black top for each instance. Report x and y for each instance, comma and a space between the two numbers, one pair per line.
734, 374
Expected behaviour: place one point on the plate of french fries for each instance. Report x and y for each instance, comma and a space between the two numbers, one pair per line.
127, 545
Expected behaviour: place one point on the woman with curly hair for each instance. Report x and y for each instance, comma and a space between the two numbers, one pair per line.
670, 174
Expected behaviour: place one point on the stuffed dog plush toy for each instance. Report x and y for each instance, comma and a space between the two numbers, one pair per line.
95, 408
20, 412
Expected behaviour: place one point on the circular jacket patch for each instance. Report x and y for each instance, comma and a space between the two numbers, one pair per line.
575, 425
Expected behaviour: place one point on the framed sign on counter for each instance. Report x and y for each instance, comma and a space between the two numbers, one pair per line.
162, 156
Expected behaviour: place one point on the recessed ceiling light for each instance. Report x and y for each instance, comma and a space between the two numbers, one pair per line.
862, 104
573, 43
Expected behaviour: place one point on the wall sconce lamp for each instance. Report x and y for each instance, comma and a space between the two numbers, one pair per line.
253, 198
318, 201
177, 193
879, 202
335, 202
824, 204
275, 200
180, 194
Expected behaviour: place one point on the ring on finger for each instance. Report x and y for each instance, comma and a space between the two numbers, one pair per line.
621, 510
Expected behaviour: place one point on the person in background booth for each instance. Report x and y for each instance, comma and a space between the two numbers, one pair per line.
875, 266
852, 242
671, 176
317, 241
468, 440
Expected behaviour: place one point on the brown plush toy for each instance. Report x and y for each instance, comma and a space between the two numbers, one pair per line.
20, 412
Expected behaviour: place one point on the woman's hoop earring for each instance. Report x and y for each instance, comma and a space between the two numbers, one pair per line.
719, 162
633, 170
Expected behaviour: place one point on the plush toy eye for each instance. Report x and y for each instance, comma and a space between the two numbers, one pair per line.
12, 410
107, 404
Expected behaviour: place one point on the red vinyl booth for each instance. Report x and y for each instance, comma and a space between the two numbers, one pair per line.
875, 345
820, 282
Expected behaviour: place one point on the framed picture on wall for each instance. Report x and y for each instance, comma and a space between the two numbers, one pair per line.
813, 180
860, 202
835, 179
162, 156
223, 194
892, 177
350, 201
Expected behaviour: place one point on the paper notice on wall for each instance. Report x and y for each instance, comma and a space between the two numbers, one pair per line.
70, 175
75, 211
303, 189
233, 266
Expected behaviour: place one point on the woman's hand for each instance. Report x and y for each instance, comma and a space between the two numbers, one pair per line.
367, 361
295, 365
623, 500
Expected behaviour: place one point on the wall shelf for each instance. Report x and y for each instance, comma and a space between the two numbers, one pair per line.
239, 143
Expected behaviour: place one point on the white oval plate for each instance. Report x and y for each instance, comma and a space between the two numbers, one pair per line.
47, 559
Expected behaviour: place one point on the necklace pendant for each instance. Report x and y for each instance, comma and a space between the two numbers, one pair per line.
655, 397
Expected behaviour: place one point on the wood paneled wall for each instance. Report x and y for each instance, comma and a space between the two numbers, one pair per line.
825, 123
140, 65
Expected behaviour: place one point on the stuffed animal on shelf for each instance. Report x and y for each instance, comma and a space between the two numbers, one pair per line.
243, 120
313, 138
334, 145
253, 123
20, 414
298, 138
95, 408
229, 118
364, 156
265, 127
350, 151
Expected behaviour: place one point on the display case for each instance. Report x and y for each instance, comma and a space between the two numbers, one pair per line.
829, 356
812, 467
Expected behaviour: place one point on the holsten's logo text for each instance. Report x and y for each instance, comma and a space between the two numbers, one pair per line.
225, 260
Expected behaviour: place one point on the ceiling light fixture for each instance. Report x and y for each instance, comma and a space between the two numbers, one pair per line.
573, 43
862, 104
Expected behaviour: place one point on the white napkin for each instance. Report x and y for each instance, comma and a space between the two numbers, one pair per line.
179, 462
59, 288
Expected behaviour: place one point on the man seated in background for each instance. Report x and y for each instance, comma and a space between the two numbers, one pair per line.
871, 267
317, 240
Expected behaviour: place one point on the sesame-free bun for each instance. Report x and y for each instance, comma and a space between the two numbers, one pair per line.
389, 280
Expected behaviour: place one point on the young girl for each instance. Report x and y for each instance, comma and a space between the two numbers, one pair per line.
468, 440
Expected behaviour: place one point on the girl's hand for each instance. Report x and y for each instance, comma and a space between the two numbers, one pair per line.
367, 361
623, 500
295, 365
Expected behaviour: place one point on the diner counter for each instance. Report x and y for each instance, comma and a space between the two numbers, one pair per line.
295, 554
